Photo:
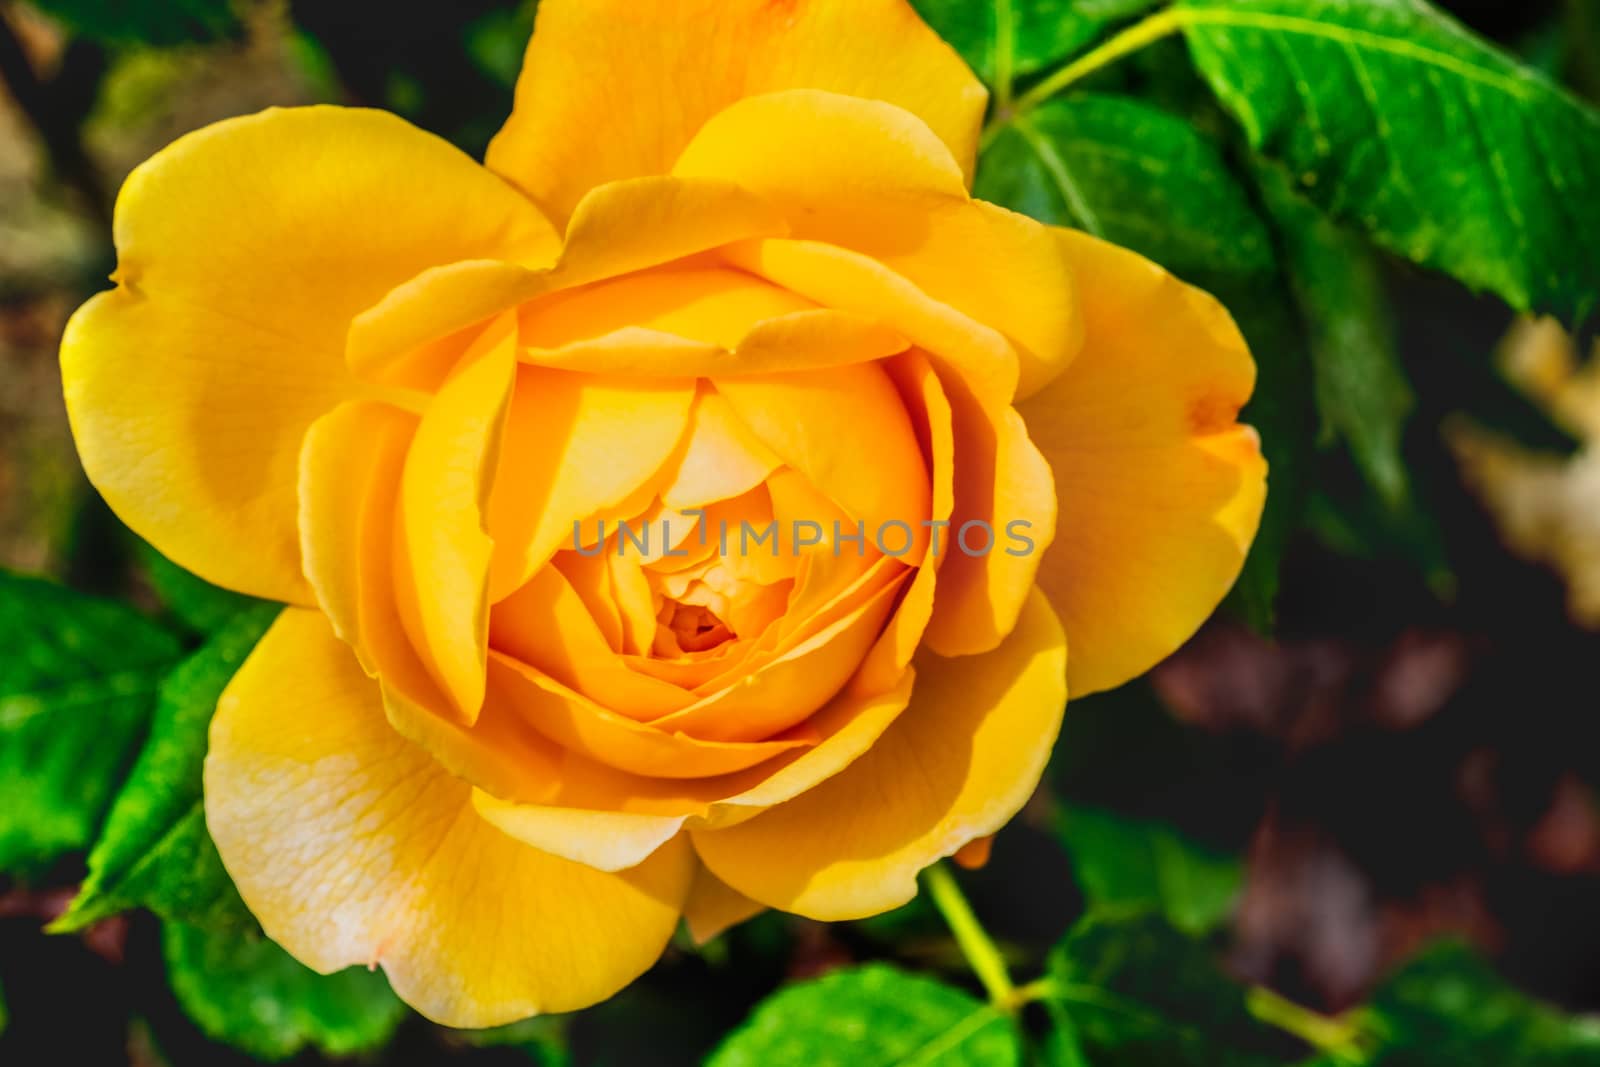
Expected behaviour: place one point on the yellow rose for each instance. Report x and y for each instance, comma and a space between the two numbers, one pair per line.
722, 268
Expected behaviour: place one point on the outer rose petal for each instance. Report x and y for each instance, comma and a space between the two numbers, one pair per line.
839, 278
709, 304
714, 906
604, 840
801, 340
590, 107
871, 177
807, 146
619, 228
353, 847
1161, 491
958, 764
245, 250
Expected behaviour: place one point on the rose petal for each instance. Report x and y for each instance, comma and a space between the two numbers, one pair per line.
958, 764
604, 840
976, 353
442, 548
351, 846
547, 626
245, 249
1161, 490
575, 445
619, 228
582, 726
868, 176
713, 907
590, 106
846, 430
986, 575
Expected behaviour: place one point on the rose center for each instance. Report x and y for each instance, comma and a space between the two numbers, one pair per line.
696, 626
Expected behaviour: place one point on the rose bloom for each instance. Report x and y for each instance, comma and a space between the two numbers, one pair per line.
722, 259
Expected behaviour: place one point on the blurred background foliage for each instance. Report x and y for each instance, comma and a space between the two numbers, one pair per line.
1355, 821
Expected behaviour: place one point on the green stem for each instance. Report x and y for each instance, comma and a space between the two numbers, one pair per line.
1038, 989
973, 939
1125, 43
1004, 54
1128, 41
1339, 1036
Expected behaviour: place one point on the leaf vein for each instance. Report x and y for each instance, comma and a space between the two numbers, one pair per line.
949, 1039
1350, 38
1062, 176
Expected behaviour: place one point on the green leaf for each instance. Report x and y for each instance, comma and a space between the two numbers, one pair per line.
1134, 175
154, 851
1148, 181
1060, 1046
1035, 33
197, 604
1393, 117
543, 1038
1363, 397
142, 22
1113, 9
1448, 1008
1130, 863
871, 1015
245, 991
78, 681
1138, 992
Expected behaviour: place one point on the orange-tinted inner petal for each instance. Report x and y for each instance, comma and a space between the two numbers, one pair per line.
721, 590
